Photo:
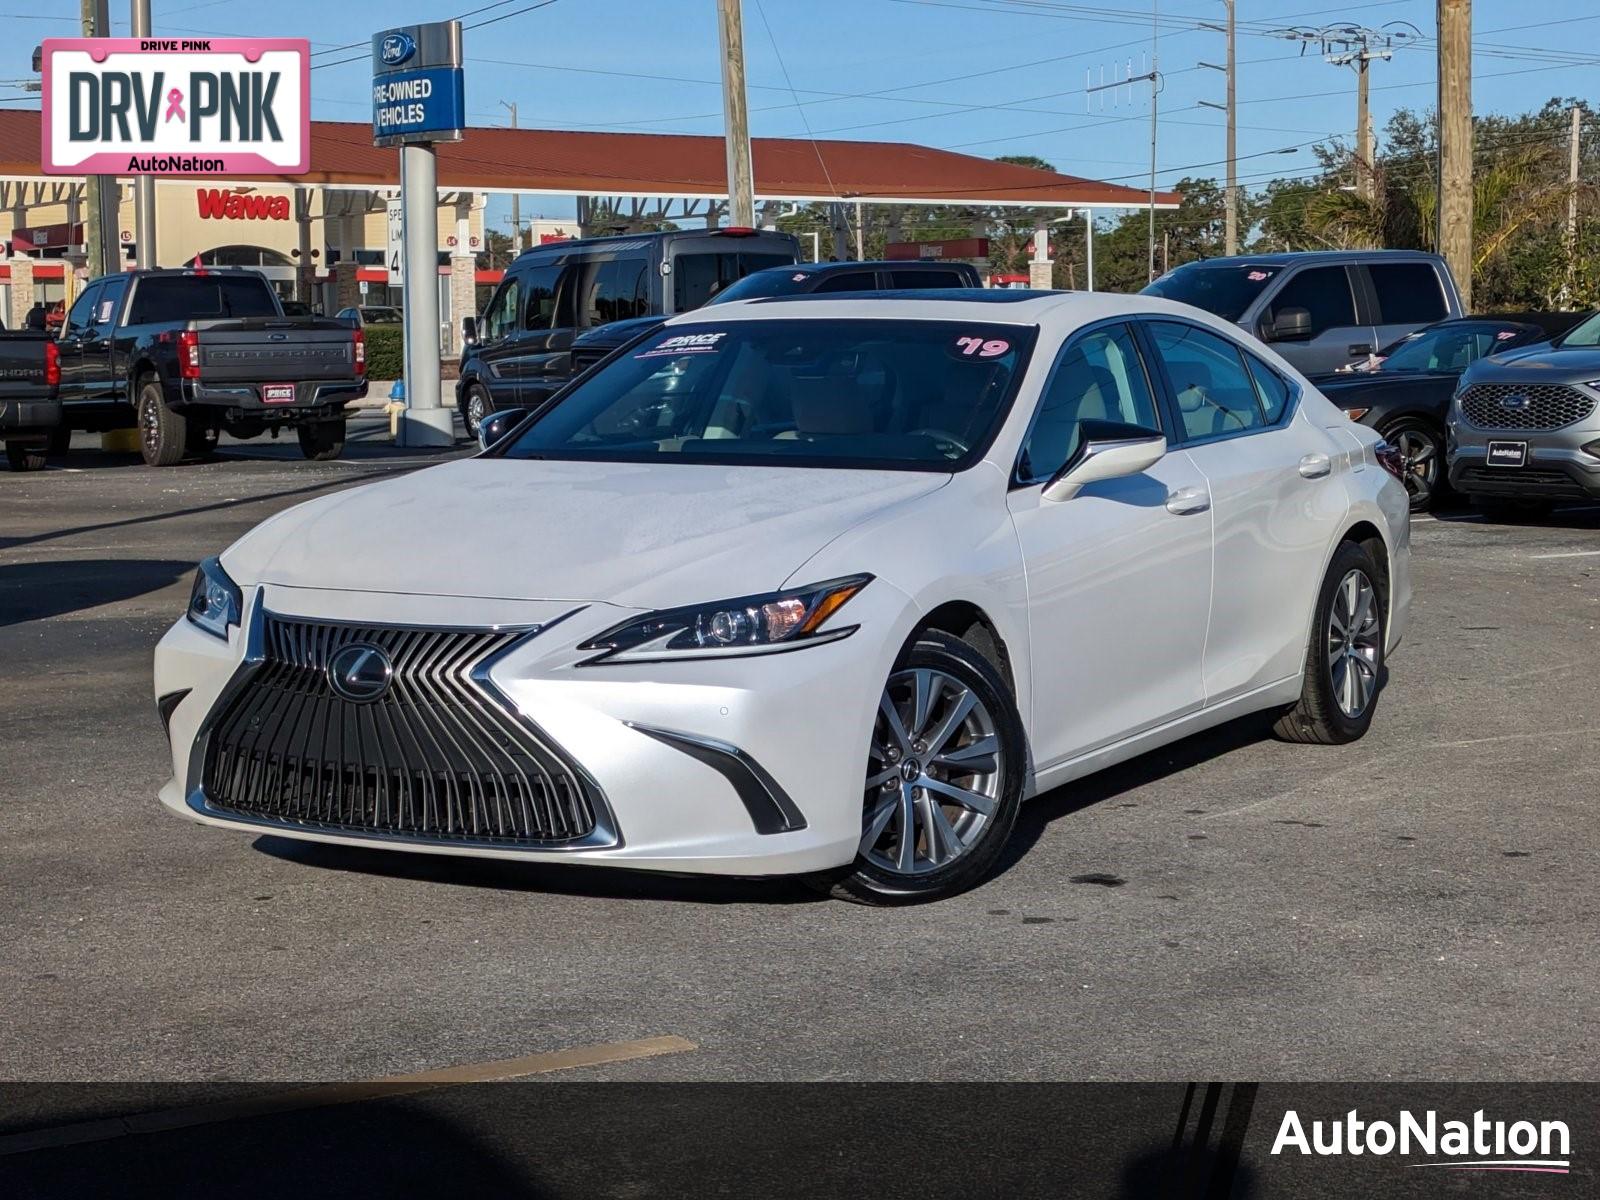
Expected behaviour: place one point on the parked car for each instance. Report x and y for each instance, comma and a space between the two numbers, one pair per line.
798, 279
821, 586
30, 408
184, 354
516, 353
1324, 308
1524, 427
370, 314
1405, 391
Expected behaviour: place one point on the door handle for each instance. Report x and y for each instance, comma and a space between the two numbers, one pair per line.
1189, 500
1359, 348
1315, 466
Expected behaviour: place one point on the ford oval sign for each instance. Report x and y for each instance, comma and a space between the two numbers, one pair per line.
397, 48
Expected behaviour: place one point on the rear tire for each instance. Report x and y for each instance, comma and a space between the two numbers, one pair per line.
163, 434
1344, 660
945, 769
21, 457
322, 441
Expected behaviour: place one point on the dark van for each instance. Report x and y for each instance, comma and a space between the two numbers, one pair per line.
516, 352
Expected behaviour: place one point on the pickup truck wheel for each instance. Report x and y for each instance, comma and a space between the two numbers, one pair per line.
322, 441
23, 457
163, 434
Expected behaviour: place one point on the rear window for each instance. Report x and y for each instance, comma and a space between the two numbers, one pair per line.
1226, 291
1408, 293
699, 275
173, 298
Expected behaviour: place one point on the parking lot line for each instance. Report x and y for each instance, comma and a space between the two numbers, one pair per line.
323, 1095
1568, 554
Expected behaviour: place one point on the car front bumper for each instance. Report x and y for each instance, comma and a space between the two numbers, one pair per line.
744, 766
1556, 466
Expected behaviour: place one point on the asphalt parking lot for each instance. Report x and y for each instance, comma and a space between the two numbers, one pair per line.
1420, 905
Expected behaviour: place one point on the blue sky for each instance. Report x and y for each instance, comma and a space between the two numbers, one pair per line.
980, 76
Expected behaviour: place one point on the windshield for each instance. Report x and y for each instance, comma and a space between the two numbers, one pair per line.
1449, 347
1586, 333
763, 283
901, 395
1224, 290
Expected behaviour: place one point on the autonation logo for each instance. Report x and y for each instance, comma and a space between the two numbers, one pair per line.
1478, 1145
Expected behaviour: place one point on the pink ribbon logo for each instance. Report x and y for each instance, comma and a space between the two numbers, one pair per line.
175, 106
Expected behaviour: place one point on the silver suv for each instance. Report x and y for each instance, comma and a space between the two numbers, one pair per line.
1524, 426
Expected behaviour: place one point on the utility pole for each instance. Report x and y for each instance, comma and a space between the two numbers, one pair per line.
861, 234
1364, 187
1455, 142
1572, 208
99, 234
736, 116
144, 186
1230, 194
516, 199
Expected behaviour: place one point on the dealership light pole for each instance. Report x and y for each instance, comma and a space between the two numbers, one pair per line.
144, 186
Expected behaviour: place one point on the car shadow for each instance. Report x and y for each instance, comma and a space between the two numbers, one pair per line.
35, 590
1147, 768
567, 879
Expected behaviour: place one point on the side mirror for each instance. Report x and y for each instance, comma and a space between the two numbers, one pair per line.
469, 331
1289, 325
498, 425
1109, 450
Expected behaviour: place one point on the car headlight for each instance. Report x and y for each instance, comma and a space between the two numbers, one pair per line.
778, 621
215, 601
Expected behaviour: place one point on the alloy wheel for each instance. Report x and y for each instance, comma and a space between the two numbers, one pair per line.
933, 776
1354, 643
149, 427
1420, 454
474, 412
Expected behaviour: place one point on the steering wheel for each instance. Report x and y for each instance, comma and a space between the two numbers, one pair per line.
942, 435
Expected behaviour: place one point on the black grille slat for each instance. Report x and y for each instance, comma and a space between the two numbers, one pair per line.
1549, 406
437, 756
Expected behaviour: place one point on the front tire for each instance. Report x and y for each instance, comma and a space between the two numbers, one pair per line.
1344, 662
163, 434
475, 406
322, 441
943, 779
1421, 446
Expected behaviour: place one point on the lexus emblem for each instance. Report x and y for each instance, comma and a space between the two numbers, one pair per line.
360, 672
1514, 403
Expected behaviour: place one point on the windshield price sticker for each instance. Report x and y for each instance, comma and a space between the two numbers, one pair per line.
1258, 276
1504, 334
977, 347
685, 343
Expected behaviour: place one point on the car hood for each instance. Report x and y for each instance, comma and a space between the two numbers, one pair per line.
1537, 364
1336, 387
639, 535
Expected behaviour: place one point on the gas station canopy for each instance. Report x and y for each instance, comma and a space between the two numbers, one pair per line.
680, 166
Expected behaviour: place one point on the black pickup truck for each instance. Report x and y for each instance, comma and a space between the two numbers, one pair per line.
30, 412
184, 354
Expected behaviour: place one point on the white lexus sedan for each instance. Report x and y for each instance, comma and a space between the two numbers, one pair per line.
819, 586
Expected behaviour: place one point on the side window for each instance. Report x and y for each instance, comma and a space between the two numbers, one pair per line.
1324, 292
1408, 293
925, 279
1214, 391
849, 281
81, 314
1271, 388
1099, 377
608, 291
500, 318
109, 300
542, 289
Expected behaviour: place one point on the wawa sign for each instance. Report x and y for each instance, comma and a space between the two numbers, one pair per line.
161, 106
218, 205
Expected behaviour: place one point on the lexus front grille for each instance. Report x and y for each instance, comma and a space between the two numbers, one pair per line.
1525, 406
427, 748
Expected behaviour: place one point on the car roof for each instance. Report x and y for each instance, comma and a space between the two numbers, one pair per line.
886, 264
1296, 257
986, 305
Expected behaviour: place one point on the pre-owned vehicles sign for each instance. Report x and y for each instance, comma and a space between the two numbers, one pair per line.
165, 106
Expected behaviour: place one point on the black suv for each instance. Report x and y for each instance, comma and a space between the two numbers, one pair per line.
515, 353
